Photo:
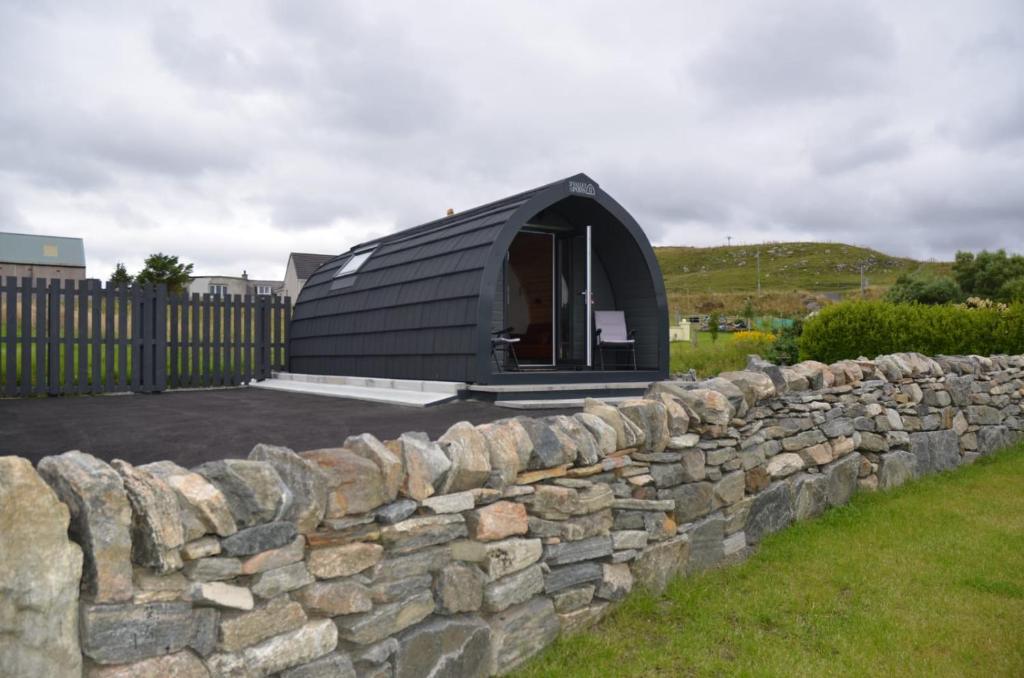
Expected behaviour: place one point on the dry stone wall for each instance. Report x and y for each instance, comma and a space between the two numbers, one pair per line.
466, 555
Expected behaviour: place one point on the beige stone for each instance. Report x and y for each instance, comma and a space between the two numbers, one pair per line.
354, 484
344, 560
497, 521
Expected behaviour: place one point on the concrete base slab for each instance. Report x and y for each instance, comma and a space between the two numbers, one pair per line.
373, 394
558, 403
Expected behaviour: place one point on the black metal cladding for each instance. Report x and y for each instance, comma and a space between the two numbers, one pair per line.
421, 307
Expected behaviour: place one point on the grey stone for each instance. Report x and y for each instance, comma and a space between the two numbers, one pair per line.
520, 632
842, 479
179, 665
896, 468
668, 475
216, 568
983, 415
547, 448
499, 558
413, 534
603, 434
394, 590
560, 578
574, 598
470, 458
514, 589
810, 495
39, 577
650, 417
280, 580
730, 488
100, 521
369, 447
458, 647
304, 480
121, 633
237, 630
992, 438
425, 463
575, 551
771, 511
395, 511
156, 530
334, 597
629, 539
254, 491
334, 665
935, 451
616, 582
706, 547
260, 538
413, 564
385, 620
660, 563
578, 437
692, 501
301, 646
459, 587
838, 427
204, 508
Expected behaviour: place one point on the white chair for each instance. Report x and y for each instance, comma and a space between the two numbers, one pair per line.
611, 333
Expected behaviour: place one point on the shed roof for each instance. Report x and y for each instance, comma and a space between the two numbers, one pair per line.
45, 250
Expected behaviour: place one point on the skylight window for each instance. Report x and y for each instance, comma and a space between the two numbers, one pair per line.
353, 264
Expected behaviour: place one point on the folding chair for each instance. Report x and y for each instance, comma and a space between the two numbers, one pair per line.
503, 342
611, 333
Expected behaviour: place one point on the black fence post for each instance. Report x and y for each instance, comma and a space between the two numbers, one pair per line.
53, 339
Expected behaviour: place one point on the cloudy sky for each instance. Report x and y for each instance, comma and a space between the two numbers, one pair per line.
231, 133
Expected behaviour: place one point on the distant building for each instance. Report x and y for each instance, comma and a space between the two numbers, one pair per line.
300, 267
41, 256
224, 285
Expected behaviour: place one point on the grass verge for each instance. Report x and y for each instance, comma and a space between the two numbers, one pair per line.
710, 358
925, 580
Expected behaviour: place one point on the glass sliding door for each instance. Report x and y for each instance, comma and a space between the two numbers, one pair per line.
530, 296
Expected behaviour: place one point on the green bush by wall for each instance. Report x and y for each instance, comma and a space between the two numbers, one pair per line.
872, 328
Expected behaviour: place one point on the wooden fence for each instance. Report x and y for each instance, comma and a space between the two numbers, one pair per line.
61, 337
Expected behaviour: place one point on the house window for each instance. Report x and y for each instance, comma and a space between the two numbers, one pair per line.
219, 290
263, 290
354, 264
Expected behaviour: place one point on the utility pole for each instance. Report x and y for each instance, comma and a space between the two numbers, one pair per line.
757, 258
863, 282
728, 241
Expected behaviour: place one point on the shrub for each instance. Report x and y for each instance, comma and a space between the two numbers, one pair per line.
872, 328
786, 348
924, 289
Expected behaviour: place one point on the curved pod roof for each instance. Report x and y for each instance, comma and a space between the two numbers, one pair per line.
420, 305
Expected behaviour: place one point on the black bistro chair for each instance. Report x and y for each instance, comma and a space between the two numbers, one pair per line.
611, 333
504, 343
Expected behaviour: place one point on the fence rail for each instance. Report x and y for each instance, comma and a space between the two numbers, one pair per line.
63, 337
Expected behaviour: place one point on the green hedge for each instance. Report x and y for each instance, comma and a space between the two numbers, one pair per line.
872, 328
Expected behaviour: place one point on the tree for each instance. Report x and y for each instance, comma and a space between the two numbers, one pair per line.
713, 321
121, 277
984, 274
1013, 290
924, 289
165, 268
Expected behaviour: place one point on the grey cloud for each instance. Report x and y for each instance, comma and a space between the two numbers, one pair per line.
797, 50
235, 132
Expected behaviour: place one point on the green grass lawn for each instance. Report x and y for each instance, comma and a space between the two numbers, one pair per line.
926, 580
711, 357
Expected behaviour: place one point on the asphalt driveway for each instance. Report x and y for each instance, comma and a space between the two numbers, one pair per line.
190, 427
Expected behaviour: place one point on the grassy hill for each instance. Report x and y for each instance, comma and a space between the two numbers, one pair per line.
701, 279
